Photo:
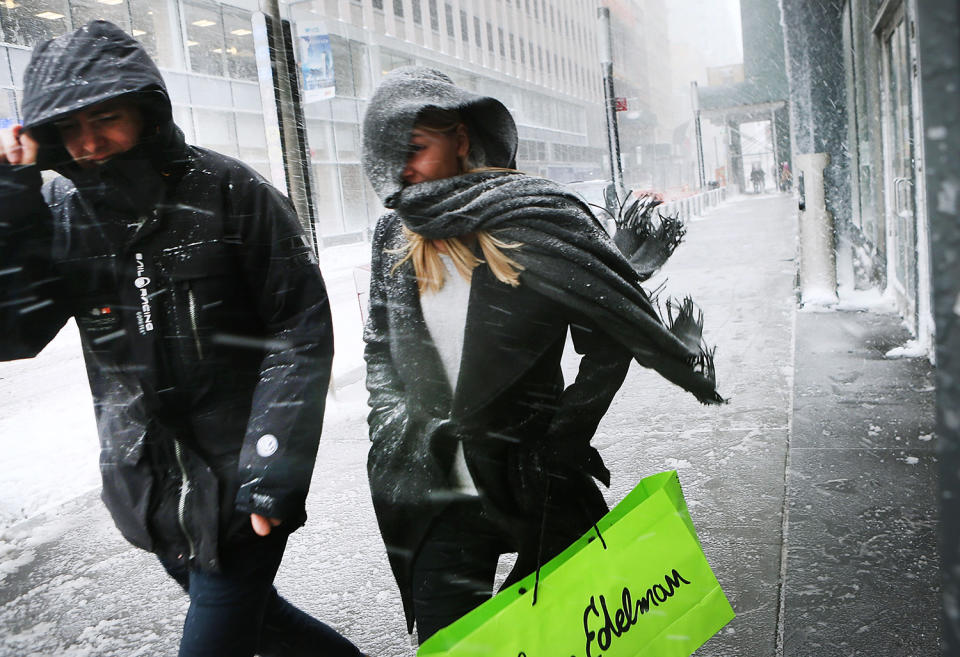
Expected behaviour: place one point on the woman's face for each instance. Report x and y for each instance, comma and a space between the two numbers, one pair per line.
435, 155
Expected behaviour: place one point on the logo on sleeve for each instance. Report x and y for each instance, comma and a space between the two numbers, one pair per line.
142, 283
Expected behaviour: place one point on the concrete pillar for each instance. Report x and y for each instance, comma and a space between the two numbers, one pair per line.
735, 157
818, 267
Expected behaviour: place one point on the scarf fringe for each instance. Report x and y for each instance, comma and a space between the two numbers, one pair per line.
647, 242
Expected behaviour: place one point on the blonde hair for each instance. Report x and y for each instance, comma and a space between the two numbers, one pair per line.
423, 252
432, 274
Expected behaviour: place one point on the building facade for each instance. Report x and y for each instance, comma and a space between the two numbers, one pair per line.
857, 94
540, 57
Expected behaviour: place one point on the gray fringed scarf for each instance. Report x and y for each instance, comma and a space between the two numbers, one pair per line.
568, 258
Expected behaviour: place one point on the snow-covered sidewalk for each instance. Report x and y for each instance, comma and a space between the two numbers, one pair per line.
791, 486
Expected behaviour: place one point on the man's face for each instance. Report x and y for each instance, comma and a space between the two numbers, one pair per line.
95, 134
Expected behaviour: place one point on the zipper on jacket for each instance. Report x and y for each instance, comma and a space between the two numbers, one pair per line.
182, 505
192, 310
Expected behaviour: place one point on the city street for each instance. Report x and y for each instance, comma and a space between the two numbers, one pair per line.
813, 491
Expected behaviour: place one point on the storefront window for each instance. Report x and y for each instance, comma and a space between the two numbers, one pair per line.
204, 38
390, 60
28, 22
252, 137
354, 198
321, 142
217, 131
151, 21
326, 182
115, 11
348, 141
342, 66
183, 117
360, 61
8, 109
238, 34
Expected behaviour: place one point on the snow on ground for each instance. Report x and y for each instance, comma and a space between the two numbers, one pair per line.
48, 436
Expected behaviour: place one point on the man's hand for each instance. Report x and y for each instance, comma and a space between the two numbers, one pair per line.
17, 146
263, 525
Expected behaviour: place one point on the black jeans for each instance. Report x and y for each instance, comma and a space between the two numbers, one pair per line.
238, 613
454, 571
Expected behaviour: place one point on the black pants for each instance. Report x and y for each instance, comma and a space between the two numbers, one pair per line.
455, 568
238, 612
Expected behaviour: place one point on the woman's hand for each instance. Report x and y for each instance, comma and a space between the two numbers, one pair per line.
262, 525
17, 146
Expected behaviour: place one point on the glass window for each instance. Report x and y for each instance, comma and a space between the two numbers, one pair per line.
151, 21
321, 141
204, 91
8, 109
417, 13
238, 35
398, 8
217, 131
489, 36
390, 60
477, 32
19, 60
354, 202
28, 22
246, 96
342, 66
326, 185
204, 38
115, 11
378, 4
252, 138
183, 117
448, 14
434, 16
464, 27
6, 80
360, 60
348, 141
503, 49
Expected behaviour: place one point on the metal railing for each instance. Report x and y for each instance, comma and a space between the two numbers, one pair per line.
694, 206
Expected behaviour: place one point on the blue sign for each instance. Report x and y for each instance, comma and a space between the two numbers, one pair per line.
316, 64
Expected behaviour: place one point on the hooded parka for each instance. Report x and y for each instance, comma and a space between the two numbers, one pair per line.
519, 425
203, 316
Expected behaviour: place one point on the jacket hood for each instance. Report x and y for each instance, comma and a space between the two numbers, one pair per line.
97, 62
392, 114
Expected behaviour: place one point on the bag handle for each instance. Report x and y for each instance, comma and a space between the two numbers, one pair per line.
543, 529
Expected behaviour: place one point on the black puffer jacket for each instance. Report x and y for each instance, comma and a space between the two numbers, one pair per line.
204, 318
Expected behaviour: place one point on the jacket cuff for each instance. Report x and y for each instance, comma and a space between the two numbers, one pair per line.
254, 497
17, 179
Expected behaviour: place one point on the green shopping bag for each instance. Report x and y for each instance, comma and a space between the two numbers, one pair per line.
641, 588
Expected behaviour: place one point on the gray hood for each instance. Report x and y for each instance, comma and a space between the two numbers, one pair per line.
392, 113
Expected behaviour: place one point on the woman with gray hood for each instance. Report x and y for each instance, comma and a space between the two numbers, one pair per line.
477, 273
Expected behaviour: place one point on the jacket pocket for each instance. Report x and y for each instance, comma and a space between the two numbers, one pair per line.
203, 283
128, 476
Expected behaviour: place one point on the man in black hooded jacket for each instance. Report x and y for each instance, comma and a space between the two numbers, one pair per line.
205, 328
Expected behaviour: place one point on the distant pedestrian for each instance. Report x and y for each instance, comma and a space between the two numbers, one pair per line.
477, 273
757, 178
786, 177
205, 328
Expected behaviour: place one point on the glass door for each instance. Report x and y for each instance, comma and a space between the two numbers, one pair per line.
899, 164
